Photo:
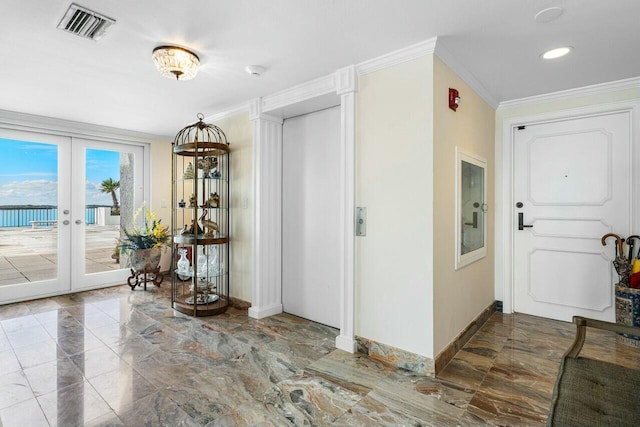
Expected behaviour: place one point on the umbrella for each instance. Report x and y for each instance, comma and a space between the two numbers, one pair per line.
621, 263
631, 242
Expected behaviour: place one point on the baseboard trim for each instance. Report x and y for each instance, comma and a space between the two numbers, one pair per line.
261, 313
396, 357
239, 304
447, 354
346, 344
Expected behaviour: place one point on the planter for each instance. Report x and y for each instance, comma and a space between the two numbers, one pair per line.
145, 259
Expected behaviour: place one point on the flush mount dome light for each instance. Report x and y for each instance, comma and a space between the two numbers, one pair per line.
557, 52
176, 62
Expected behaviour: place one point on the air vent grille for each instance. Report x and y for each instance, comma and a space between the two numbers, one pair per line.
85, 23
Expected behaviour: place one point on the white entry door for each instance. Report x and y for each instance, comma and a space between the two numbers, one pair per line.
571, 186
311, 216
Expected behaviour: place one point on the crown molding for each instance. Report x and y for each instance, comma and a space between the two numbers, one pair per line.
232, 111
302, 92
347, 80
462, 72
32, 122
397, 57
597, 89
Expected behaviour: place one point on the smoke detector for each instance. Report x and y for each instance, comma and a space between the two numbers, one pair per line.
85, 23
255, 70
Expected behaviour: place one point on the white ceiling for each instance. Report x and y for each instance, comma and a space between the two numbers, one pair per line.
113, 82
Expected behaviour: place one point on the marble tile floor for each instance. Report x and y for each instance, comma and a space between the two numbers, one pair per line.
116, 357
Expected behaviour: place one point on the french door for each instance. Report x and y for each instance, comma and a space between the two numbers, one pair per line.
58, 220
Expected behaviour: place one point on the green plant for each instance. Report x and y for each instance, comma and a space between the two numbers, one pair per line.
110, 186
152, 235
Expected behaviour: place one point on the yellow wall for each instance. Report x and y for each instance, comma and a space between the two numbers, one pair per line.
238, 131
394, 181
459, 296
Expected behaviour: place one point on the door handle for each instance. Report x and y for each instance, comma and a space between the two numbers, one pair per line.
521, 224
78, 221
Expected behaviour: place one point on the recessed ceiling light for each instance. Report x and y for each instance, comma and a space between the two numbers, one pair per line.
557, 52
255, 70
549, 14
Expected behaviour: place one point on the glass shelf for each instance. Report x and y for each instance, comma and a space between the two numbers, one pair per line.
200, 276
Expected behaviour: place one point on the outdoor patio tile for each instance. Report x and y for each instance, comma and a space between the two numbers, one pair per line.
44, 274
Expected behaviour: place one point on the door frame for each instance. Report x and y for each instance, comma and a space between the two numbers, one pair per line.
22, 122
267, 187
505, 200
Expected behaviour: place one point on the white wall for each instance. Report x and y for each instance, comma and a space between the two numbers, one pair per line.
600, 96
394, 181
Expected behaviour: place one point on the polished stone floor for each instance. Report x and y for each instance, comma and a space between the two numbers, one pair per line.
118, 357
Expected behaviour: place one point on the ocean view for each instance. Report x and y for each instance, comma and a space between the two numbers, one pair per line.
21, 216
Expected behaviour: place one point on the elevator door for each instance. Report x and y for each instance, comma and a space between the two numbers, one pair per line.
311, 216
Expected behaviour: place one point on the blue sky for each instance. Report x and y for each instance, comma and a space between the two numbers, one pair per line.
29, 175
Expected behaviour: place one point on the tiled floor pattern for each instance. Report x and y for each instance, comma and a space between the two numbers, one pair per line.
114, 357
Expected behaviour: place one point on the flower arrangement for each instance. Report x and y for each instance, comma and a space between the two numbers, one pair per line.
151, 235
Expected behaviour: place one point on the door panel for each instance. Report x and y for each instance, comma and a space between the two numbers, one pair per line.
95, 237
311, 216
34, 205
573, 180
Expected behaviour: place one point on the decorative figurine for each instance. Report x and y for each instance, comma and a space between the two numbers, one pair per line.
193, 201
189, 173
181, 203
215, 174
214, 200
207, 163
195, 228
185, 230
183, 263
208, 225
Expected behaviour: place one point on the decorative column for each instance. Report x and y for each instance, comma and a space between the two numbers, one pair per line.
267, 213
346, 82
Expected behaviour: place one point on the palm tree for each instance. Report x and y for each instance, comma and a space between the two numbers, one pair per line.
110, 186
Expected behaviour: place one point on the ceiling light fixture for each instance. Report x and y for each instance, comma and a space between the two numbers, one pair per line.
557, 52
176, 62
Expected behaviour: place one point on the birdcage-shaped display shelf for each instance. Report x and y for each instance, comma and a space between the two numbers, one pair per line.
200, 220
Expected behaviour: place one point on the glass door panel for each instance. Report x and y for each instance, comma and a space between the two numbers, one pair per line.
33, 203
107, 188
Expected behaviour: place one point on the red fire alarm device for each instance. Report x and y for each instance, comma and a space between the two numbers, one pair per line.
454, 99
